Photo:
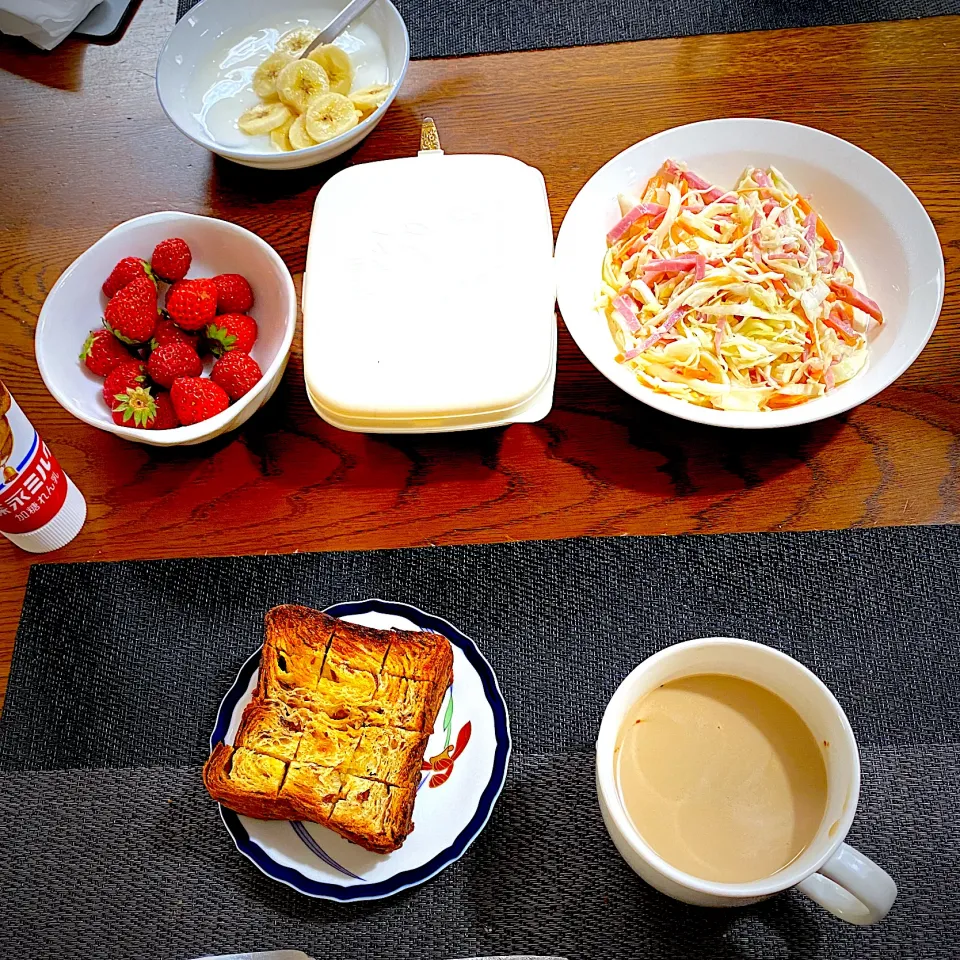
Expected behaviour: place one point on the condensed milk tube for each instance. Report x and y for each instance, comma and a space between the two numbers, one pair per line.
40, 508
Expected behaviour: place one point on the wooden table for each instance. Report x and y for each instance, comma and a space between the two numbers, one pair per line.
86, 145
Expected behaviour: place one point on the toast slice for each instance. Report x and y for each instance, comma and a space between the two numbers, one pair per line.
337, 727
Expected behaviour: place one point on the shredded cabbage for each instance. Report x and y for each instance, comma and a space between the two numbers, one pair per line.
737, 300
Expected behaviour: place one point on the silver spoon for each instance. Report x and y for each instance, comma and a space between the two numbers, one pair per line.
337, 25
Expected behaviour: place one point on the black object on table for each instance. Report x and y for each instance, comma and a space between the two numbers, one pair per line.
106, 21
451, 28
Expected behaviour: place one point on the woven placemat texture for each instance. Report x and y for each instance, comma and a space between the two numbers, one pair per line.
453, 28
109, 846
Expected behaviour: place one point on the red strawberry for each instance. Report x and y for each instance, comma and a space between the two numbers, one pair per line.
237, 372
196, 399
171, 259
168, 332
125, 377
167, 417
126, 271
135, 408
132, 313
102, 351
233, 293
232, 331
192, 303
171, 361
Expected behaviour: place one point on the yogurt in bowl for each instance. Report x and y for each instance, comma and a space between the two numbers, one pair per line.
206, 67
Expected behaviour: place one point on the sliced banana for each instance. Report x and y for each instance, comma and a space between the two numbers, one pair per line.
330, 115
280, 136
337, 65
297, 40
299, 82
265, 76
298, 136
369, 98
263, 118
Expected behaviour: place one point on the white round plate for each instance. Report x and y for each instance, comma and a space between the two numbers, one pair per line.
465, 766
882, 225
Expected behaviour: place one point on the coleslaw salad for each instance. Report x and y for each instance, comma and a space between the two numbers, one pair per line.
733, 299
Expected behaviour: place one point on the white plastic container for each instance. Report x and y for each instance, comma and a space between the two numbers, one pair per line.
40, 507
429, 293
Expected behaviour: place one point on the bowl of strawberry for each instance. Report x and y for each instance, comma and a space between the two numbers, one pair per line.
171, 329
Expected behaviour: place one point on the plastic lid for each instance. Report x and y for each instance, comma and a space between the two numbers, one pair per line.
536, 408
59, 531
429, 292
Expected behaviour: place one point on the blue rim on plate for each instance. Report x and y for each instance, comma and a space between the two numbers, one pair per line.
408, 878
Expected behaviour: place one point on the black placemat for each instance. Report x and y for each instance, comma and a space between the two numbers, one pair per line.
110, 848
453, 28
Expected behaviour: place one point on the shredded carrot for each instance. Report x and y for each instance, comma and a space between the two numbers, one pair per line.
823, 231
845, 333
779, 401
695, 373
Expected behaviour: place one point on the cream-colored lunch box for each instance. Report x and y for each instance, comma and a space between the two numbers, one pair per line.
429, 293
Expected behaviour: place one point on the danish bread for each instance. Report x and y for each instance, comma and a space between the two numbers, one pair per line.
337, 727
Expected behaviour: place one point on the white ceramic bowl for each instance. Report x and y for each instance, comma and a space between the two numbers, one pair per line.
76, 303
194, 55
882, 224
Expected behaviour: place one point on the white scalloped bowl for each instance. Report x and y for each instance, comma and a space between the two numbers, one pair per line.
883, 226
75, 306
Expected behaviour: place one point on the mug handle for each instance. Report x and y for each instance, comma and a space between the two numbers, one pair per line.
852, 887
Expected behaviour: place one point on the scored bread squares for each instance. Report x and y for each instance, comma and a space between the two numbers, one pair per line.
311, 790
413, 675
297, 639
368, 700
273, 727
247, 782
377, 816
421, 656
389, 755
356, 647
340, 722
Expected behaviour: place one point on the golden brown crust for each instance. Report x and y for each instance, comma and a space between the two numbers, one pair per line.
6, 439
366, 804
246, 782
405, 705
327, 744
420, 656
311, 790
434, 700
272, 727
331, 735
296, 643
387, 754
398, 820
356, 647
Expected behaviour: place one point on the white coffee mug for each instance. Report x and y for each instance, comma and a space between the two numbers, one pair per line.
835, 875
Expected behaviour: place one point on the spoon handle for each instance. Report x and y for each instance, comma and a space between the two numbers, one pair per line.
338, 24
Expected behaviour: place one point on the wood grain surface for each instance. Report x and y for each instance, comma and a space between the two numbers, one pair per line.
86, 145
